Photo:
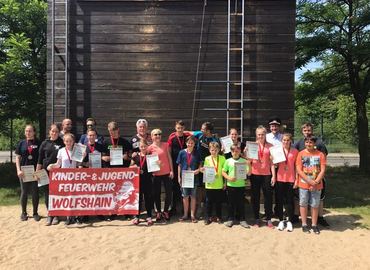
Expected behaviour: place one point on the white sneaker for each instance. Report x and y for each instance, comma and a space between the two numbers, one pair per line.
281, 226
289, 226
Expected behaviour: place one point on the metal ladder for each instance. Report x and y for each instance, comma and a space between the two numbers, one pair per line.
235, 104
59, 51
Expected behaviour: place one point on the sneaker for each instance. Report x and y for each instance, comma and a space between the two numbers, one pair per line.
269, 224
158, 216
289, 226
49, 220
305, 229
166, 216
207, 221
68, 221
36, 217
322, 222
281, 226
24, 217
315, 230
135, 221
55, 221
257, 223
78, 220
149, 221
229, 223
244, 224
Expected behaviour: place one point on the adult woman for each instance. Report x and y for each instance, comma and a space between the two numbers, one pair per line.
165, 174
284, 183
48, 155
27, 153
262, 170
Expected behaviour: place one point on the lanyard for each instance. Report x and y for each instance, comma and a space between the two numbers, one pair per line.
92, 148
215, 165
113, 142
69, 157
181, 142
261, 150
286, 155
29, 147
188, 158
142, 161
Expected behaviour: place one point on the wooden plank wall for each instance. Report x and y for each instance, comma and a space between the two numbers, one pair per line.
138, 59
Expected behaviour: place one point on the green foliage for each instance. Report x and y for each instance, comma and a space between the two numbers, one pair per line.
22, 60
18, 133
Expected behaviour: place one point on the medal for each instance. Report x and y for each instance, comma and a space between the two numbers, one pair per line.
29, 157
261, 152
215, 165
286, 168
141, 171
29, 149
286, 159
142, 162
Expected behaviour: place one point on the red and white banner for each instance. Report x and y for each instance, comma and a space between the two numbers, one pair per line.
82, 192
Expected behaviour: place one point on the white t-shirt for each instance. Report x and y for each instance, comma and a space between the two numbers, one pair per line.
274, 139
62, 155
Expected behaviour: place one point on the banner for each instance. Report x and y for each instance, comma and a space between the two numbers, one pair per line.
82, 192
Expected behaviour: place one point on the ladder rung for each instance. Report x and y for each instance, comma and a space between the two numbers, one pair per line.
59, 37
60, 2
234, 100
63, 54
236, 14
59, 71
236, 49
235, 118
59, 88
237, 83
60, 19
60, 105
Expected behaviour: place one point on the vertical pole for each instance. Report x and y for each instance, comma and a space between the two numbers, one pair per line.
66, 114
228, 68
11, 140
242, 77
52, 59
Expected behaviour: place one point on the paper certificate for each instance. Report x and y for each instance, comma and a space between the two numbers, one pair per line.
187, 178
252, 150
209, 174
94, 160
226, 142
42, 177
277, 153
152, 163
240, 170
78, 152
28, 173
116, 156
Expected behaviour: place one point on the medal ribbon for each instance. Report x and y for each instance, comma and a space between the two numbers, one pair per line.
286, 156
113, 142
181, 142
188, 159
142, 161
29, 147
92, 148
69, 157
261, 150
215, 165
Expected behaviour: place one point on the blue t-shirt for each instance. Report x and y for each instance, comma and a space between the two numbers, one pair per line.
182, 160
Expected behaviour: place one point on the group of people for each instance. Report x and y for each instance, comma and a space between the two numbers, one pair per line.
194, 151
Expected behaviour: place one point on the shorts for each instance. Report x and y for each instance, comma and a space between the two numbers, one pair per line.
307, 197
186, 192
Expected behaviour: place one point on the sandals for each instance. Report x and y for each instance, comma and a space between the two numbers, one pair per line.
149, 221
194, 220
183, 218
135, 221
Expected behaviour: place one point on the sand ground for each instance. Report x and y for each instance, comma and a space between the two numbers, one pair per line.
120, 245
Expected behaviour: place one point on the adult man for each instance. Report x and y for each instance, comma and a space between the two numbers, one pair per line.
142, 133
176, 142
90, 124
307, 131
274, 137
66, 127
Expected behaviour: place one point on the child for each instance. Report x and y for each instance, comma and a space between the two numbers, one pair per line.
64, 161
285, 182
214, 190
310, 165
235, 187
145, 182
189, 159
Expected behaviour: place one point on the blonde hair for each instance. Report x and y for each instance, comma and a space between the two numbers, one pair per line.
261, 128
70, 135
112, 125
214, 145
156, 130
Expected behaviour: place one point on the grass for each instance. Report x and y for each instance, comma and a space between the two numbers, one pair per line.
341, 148
348, 191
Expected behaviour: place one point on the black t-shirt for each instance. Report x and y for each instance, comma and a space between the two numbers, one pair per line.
97, 147
120, 142
48, 152
135, 142
319, 145
203, 145
176, 144
29, 152
242, 146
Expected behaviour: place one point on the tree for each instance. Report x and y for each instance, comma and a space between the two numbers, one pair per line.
338, 32
23, 60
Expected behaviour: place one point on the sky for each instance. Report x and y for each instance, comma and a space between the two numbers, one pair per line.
310, 66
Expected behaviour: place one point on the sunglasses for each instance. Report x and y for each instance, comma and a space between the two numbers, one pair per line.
90, 125
157, 134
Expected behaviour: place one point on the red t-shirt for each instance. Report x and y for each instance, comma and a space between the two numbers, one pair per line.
263, 165
286, 170
162, 153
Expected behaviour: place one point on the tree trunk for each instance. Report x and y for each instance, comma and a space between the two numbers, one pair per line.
363, 133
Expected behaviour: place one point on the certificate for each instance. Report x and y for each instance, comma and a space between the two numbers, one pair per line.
43, 177
277, 153
252, 150
187, 178
94, 160
78, 152
28, 173
152, 163
240, 170
226, 142
116, 156
209, 174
